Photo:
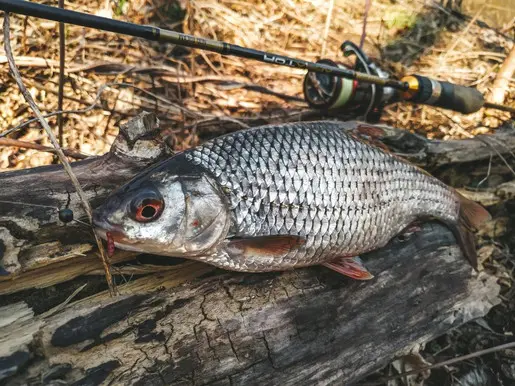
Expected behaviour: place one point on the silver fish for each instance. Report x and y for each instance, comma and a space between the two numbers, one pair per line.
279, 197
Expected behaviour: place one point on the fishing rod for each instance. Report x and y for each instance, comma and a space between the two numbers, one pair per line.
327, 85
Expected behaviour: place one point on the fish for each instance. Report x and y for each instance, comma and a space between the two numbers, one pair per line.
281, 197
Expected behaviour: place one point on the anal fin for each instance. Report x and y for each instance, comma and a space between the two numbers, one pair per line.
350, 266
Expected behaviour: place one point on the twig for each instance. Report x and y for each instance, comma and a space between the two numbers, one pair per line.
36, 146
487, 172
59, 307
487, 142
461, 16
501, 144
179, 92
326, 28
30, 61
61, 78
78, 111
368, 3
463, 33
448, 362
503, 78
107, 86
82, 196
458, 127
262, 90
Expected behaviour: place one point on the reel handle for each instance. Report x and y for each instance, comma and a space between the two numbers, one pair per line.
446, 95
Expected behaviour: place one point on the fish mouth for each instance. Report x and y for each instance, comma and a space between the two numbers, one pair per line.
116, 236
120, 241
101, 227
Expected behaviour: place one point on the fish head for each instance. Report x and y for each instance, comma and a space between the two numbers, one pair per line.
159, 212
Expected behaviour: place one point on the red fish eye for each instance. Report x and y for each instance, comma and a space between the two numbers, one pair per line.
148, 210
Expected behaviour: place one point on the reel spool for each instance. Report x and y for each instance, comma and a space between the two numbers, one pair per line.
337, 95
328, 92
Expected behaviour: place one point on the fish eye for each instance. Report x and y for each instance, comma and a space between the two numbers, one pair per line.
148, 210
146, 207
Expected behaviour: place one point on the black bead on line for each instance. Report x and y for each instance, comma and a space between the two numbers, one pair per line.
66, 215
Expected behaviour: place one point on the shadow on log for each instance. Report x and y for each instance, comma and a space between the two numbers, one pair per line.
188, 323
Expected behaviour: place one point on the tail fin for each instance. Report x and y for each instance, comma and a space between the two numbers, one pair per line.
471, 216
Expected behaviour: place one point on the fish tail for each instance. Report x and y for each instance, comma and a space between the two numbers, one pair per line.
471, 217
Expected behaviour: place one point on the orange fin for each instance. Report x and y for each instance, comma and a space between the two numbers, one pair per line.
471, 216
370, 131
414, 227
265, 245
350, 266
371, 140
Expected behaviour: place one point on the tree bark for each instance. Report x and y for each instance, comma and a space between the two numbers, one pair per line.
181, 322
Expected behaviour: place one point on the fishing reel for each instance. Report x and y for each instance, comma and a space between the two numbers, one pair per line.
335, 94
358, 97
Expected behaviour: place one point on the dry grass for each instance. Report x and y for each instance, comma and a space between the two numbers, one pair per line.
194, 91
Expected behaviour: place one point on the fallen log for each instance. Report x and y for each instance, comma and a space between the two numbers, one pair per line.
179, 322
300, 327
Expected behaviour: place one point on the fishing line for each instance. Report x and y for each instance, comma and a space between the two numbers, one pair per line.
26, 204
487, 173
65, 214
491, 146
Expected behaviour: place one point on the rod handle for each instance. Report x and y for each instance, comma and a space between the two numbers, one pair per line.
446, 95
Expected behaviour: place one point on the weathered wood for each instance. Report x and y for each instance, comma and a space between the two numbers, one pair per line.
436, 153
301, 327
189, 323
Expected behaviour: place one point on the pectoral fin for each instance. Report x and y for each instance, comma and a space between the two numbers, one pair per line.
350, 266
265, 246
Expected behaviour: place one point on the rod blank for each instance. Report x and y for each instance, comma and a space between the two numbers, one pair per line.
157, 34
162, 35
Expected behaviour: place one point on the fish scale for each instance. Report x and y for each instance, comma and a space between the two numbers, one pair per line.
348, 196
